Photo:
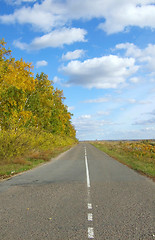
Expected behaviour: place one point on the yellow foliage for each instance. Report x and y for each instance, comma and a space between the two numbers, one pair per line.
19, 75
27, 101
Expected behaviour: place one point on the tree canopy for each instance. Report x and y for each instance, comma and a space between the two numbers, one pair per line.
27, 101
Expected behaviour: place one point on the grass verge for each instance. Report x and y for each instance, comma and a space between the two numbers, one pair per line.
138, 155
33, 159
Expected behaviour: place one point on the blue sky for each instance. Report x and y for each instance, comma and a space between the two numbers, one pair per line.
100, 53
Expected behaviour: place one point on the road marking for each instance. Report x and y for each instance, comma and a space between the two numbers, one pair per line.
90, 217
87, 172
89, 206
90, 232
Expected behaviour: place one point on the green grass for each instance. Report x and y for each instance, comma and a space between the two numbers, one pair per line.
8, 170
138, 155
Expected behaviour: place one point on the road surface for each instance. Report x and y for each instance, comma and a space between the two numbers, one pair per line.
82, 194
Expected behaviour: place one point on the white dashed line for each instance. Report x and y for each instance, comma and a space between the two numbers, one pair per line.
89, 206
90, 217
87, 171
90, 232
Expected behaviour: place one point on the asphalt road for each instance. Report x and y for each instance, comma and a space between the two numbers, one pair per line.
82, 194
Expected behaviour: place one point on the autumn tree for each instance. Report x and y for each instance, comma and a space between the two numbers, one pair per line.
27, 101
60, 116
16, 83
40, 101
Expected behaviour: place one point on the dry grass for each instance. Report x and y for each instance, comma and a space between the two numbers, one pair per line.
33, 159
139, 155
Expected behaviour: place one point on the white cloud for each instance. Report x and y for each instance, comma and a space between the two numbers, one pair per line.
134, 79
20, 45
44, 16
87, 116
145, 122
56, 38
100, 113
128, 13
105, 72
144, 56
85, 123
153, 112
18, 2
97, 100
144, 133
41, 63
118, 15
56, 79
73, 55
133, 50
71, 108
149, 129
134, 101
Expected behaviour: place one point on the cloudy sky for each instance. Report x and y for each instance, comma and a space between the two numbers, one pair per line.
100, 53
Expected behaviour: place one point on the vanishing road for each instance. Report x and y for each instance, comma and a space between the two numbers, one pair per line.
82, 194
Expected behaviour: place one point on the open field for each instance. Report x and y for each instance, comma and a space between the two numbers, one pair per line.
138, 155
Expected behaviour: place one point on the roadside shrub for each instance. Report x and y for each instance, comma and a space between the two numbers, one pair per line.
15, 143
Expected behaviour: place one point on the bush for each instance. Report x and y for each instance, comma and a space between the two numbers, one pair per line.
20, 142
